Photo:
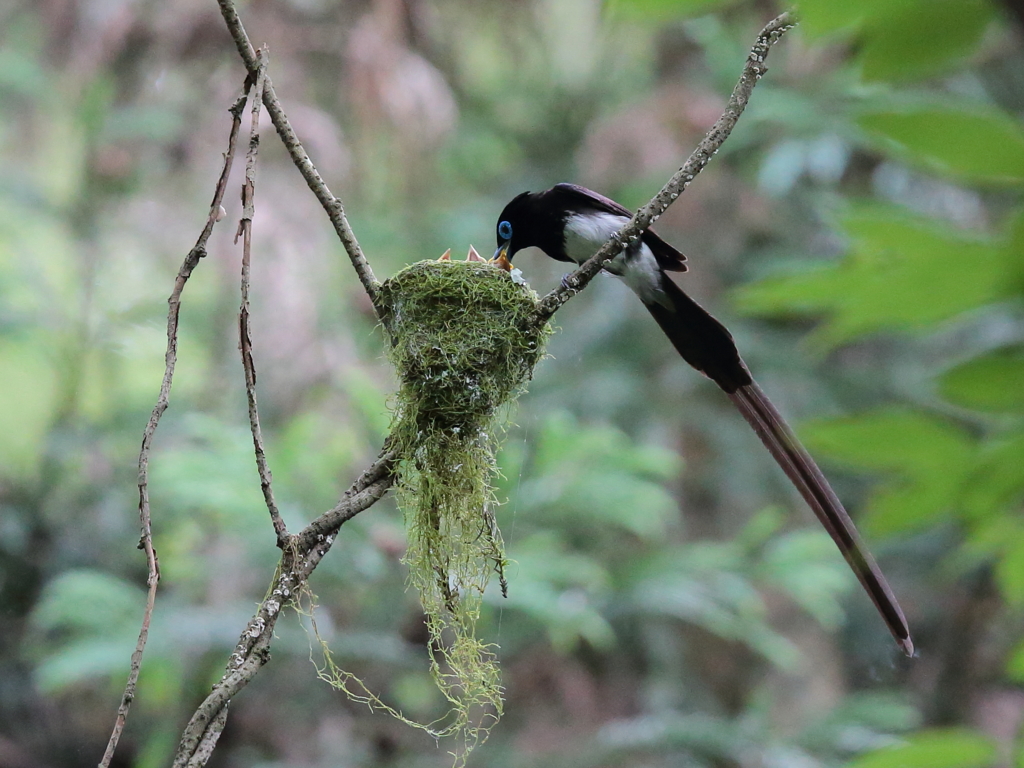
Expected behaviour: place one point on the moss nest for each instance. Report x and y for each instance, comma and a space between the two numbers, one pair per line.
464, 341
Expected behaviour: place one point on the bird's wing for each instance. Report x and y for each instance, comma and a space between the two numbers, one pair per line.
580, 198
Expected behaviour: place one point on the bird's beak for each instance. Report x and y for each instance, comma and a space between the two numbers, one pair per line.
501, 257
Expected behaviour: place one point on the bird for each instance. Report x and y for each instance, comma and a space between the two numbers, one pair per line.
570, 223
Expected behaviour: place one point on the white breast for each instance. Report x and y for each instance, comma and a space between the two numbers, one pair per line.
585, 234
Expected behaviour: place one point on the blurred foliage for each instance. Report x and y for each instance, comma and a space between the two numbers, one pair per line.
934, 749
865, 220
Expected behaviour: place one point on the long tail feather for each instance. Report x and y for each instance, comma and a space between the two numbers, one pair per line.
708, 346
801, 469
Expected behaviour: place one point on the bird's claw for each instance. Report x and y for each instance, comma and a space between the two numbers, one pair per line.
568, 282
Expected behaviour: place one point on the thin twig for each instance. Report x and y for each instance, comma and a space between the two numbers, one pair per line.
298, 560
245, 337
331, 204
631, 232
163, 400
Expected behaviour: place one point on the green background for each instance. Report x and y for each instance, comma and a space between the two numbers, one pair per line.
672, 601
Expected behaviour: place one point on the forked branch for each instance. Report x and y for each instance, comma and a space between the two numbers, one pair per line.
298, 561
331, 204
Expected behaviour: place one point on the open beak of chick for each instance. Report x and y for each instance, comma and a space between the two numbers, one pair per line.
499, 259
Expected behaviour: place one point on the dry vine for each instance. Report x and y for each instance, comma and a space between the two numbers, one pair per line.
302, 552
244, 336
170, 359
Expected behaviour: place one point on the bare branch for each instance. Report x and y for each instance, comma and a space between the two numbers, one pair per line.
163, 400
331, 204
631, 232
245, 337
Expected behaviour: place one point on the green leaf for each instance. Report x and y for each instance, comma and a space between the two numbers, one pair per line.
1014, 254
214, 472
912, 40
806, 566
87, 601
595, 473
902, 39
1015, 666
706, 585
888, 439
84, 626
952, 748
760, 529
929, 458
874, 716
83, 659
28, 390
903, 272
997, 481
1010, 572
823, 17
562, 590
992, 382
969, 142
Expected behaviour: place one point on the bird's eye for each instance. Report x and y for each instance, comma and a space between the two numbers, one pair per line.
505, 230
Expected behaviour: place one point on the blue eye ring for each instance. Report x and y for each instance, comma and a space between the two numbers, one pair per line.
505, 230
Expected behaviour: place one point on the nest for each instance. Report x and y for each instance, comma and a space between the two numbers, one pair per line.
464, 341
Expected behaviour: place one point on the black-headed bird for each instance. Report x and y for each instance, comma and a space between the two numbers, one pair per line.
570, 223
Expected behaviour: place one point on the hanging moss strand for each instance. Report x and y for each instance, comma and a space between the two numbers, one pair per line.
464, 343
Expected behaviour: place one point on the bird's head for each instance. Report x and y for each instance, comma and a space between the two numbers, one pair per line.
513, 227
